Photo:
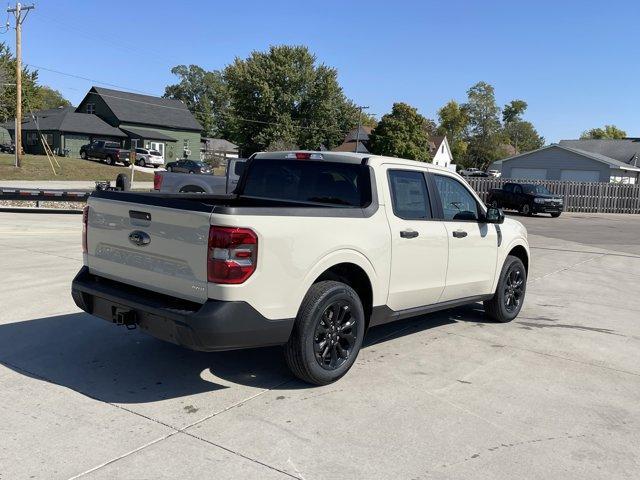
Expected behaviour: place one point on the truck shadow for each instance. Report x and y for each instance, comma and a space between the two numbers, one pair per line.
109, 364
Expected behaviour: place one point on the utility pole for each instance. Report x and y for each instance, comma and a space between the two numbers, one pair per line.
20, 17
359, 125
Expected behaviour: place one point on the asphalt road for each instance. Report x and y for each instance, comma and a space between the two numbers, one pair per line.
552, 395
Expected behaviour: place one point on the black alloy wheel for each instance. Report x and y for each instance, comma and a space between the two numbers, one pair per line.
335, 335
507, 301
327, 334
513, 288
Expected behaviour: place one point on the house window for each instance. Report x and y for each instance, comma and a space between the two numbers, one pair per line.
91, 108
442, 149
48, 137
32, 138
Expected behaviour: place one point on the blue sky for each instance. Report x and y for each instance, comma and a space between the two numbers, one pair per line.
575, 63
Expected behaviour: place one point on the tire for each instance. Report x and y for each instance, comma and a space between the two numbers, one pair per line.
501, 307
169, 169
141, 163
191, 171
83, 155
110, 160
127, 164
324, 332
555, 215
495, 204
525, 209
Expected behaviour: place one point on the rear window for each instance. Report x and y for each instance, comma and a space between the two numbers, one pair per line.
111, 145
311, 181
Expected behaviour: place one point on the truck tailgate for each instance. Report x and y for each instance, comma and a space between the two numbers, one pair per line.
149, 246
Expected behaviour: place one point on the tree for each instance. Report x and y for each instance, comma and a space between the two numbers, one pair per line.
523, 136
283, 97
50, 98
205, 95
608, 132
485, 130
34, 96
513, 111
402, 133
520, 134
453, 123
30, 100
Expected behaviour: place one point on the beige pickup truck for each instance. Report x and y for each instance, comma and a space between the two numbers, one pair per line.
312, 250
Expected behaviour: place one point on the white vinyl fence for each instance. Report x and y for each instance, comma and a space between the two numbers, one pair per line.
591, 197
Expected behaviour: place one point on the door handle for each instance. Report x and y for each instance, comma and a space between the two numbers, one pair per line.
459, 234
409, 234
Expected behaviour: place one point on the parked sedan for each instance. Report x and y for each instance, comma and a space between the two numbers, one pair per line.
188, 166
145, 157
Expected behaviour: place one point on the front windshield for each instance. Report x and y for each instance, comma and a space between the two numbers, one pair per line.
539, 189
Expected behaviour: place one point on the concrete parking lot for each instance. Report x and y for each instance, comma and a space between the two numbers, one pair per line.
553, 395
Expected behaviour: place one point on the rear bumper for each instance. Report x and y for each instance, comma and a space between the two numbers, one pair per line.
212, 326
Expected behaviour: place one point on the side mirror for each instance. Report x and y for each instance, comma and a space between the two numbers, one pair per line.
494, 215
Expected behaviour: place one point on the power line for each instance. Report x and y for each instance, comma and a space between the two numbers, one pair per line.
249, 120
222, 114
80, 77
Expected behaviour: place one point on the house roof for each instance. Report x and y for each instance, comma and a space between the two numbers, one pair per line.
67, 120
351, 147
435, 142
623, 150
219, 145
148, 133
612, 162
363, 136
146, 109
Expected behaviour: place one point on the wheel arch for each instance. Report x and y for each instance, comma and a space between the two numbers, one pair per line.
520, 252
352, 268
354, 276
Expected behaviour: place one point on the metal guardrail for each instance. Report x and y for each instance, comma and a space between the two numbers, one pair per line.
44, 195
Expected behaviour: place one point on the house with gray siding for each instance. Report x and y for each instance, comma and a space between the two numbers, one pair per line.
563, 162
162, 124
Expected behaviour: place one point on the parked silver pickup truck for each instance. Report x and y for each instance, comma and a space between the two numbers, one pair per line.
172, 182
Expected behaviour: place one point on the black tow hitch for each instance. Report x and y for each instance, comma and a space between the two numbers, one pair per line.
124, 317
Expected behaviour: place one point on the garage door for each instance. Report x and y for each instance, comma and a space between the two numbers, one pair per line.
74, 142
580, 175
529, 173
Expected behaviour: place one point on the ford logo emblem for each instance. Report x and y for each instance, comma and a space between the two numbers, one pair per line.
139, 238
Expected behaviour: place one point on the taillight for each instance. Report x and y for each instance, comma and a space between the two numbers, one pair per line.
85, 224
232, 254
157, 181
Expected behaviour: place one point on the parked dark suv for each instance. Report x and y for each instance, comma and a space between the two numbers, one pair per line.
188, 166
527, 198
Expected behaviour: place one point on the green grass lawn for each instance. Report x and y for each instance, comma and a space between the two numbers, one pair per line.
37, 167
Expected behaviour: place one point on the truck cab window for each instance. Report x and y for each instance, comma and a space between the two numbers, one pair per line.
409, 195
321, 182
457, 202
